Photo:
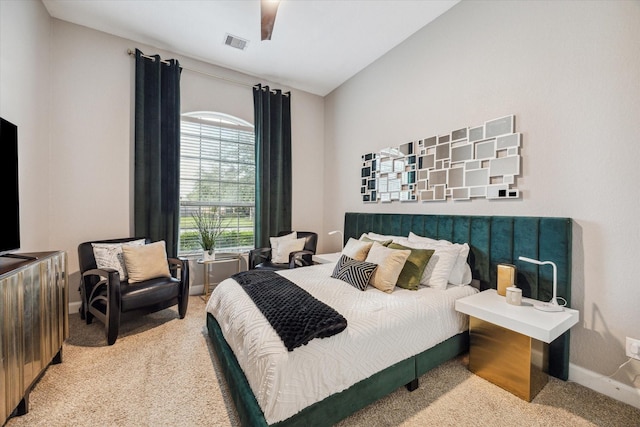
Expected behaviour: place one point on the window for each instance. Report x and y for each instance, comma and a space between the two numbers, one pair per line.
217, 175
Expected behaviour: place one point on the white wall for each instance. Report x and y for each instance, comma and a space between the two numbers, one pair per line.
25, 96
92, 133
569, 71
70, 90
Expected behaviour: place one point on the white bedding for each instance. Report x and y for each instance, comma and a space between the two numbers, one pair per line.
383, 329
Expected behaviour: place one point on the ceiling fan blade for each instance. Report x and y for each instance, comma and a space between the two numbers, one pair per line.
268, 9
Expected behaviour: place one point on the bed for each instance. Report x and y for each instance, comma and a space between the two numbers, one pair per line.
253, 371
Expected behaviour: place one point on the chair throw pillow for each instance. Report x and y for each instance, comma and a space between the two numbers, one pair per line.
281, 254
354, 272
146, 262
109, 255
275, 242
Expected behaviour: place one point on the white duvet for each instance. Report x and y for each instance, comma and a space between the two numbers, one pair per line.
382, 329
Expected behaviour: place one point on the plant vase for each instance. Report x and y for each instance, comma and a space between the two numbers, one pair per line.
209, 255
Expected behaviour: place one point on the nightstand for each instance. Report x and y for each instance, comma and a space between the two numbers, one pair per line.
509, 344
326, 258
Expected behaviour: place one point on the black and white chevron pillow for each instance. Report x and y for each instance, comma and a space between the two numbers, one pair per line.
355, 273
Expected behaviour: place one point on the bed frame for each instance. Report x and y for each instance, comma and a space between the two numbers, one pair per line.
492, 240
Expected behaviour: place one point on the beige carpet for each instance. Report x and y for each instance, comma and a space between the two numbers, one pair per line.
162, 372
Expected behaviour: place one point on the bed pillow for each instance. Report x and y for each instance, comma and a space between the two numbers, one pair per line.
354, 272
461, 272
109, 255
413, 269
364, 238
376, 236
438, 270
390, 263
146, 262
281, 254
357, 249
420, 239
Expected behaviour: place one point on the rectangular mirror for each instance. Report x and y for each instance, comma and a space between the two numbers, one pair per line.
500, 126
476, 177
462, 153
505, 166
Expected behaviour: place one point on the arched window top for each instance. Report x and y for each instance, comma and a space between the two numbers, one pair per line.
217, 118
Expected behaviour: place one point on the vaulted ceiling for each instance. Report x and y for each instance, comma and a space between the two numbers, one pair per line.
316, 45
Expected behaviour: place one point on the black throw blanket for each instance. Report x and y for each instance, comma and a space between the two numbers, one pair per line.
294, 313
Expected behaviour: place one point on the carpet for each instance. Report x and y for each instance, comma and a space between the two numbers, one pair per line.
162, 371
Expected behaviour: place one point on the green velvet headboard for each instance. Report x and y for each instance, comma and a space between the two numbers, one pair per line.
494, 240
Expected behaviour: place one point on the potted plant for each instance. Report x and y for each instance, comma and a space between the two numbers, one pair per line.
209, 225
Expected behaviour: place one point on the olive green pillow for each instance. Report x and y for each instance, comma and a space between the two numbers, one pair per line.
414, 266
364, 238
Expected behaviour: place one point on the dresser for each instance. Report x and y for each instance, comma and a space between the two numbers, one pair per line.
34, 322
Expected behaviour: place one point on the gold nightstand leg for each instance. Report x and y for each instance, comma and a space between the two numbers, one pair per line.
513, 361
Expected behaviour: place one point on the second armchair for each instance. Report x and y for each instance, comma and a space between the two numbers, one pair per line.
290, 249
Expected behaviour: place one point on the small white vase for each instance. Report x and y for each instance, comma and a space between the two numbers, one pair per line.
208, 255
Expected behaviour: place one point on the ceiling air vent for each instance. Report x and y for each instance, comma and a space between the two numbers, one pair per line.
236, 42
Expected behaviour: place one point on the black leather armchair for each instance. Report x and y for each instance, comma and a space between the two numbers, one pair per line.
260, 258
105, 296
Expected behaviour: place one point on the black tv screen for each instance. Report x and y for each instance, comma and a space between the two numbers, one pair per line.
10, 232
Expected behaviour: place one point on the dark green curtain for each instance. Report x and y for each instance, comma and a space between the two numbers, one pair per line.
157, 150
272, 111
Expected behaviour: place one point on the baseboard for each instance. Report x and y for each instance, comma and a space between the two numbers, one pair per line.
605, 385
196, 289
74, 307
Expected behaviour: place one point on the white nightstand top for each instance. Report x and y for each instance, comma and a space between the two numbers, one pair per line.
543, 326
327, 258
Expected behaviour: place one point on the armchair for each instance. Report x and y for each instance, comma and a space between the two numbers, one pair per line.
261, 258
105, 295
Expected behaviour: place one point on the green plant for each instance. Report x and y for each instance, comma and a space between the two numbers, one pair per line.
209, 225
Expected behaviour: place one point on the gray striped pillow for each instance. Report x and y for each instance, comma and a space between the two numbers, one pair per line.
356, 273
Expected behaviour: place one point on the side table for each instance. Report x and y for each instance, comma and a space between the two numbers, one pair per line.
208, 269
509, 344
326, 258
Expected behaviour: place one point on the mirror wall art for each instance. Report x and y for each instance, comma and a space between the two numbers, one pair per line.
473, 162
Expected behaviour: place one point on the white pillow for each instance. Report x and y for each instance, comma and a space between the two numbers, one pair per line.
109, 255
390, 263
276, 241
461, 272
420, 239
383, 237
356, 249
281, 255
436, 273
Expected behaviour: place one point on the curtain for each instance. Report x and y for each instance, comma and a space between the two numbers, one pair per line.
272, 110
157, 150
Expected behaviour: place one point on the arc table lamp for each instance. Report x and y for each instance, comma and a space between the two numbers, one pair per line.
552, 305
337, 232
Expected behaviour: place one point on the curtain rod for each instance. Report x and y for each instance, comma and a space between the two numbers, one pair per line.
236, 82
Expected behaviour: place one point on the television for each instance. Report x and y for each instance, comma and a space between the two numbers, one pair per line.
10, 232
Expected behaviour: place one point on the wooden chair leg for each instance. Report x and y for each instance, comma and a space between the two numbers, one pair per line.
112, 326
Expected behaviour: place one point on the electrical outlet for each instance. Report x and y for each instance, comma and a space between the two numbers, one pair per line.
633, 348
